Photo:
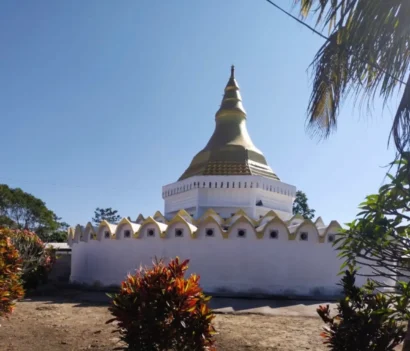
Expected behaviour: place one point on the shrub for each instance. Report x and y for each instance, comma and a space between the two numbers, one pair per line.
365, 320
37, 259
158, 309
11, 288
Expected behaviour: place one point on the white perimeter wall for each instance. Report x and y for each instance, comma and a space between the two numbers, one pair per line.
234, 265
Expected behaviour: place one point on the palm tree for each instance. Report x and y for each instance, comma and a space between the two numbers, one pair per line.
366, 54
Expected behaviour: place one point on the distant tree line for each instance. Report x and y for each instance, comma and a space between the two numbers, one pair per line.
21, 210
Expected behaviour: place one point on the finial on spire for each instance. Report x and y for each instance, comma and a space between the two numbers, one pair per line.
232, 71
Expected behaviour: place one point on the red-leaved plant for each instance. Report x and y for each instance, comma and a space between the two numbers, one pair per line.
11, 288
158, 309
37, 260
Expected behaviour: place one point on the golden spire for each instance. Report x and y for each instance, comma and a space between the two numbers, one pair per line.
232, 101
230, 150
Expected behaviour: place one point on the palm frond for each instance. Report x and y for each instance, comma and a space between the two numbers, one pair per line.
400, 131
367, 54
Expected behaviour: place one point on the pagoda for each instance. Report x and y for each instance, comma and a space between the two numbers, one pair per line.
230, 172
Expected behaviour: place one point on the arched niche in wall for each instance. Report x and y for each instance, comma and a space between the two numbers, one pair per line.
274, 229
106, 231
210, 227
90, 233
307, 232
330, 234
178, 227
126, 229
78, 233
150, 229
241, 228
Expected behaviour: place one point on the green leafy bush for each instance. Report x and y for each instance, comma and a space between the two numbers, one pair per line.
365, 320
11, 288
37, 260
158, 309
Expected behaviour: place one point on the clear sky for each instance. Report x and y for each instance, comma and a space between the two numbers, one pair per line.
102, 102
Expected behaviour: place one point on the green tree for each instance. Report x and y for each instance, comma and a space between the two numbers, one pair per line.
300, 206
363, 319
366, 54
106, 214
60, 235
22, 210
379, 239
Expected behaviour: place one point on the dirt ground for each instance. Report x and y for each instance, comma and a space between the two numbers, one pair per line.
50, 324
55, 326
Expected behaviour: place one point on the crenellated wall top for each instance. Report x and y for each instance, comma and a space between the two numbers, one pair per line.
292, 228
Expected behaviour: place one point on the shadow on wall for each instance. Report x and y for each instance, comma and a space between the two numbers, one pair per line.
62, 268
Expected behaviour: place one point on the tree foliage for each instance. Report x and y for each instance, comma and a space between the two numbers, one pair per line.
11, 288
300, 206
159, 309
367, 53
363, 320
106, 214
37, 260
379, 237
21, 210
378, 240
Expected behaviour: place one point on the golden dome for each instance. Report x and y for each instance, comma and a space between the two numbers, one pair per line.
230, 151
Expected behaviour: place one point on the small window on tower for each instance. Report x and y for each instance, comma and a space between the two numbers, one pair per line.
151, 232
331, 238
210, 184
227, 184
106, 235
127, 233
274, 234
179, 232
222, 184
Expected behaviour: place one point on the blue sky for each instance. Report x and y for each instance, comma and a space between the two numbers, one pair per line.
103, 102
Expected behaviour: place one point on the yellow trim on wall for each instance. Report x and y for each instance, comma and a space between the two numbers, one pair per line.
179, 219
332, 224
208, 213
296, 216
183, 213
123, 222
140, 218
78, 232
158, 214
241, 219
306, 222
104, 223
150, 220
89, 228
276, 220
211, 219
